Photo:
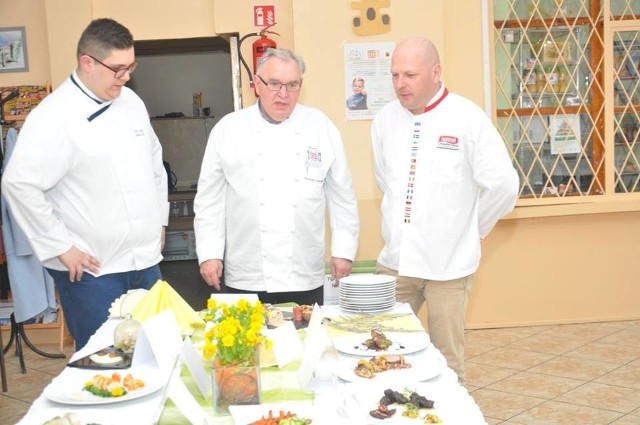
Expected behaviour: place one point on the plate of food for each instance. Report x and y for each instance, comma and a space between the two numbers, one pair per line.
394, 404
298, 413
390, 368
378, 343
107, 358
82, 386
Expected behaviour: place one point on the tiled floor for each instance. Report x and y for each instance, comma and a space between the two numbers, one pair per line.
584, 374
557, 375
24, 388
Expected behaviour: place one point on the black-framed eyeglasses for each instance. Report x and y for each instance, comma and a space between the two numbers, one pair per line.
117, 72
277, 85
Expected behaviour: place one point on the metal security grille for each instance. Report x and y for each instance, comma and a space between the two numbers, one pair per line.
550, 95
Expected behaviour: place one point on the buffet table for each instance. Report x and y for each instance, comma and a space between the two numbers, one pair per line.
334, 395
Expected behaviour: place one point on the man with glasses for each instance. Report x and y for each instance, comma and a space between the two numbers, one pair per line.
269, 172
87, 184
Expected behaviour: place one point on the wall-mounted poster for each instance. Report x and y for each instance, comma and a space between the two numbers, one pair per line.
565, 134
368, 85
13, 50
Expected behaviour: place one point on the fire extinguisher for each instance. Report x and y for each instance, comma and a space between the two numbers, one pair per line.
258, 48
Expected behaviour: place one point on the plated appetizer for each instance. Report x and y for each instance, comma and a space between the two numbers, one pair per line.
114, 386
281, 418
369, 368
378, 341
412, 402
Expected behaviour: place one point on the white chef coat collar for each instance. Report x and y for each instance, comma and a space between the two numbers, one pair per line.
267, 118
78, 83
437, 98
103, 104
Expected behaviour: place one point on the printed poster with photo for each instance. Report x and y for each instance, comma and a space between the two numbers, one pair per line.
368, 85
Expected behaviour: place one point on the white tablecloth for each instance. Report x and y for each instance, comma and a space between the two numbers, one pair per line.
336, 402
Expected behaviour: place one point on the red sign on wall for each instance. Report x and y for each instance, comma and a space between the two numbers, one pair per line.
264, 15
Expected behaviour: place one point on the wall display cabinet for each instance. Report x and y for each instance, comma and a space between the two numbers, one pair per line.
626, 101
551, 94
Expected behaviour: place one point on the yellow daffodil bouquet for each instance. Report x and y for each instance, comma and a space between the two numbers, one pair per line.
235, 337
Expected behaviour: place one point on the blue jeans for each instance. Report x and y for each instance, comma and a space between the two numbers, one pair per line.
86, 303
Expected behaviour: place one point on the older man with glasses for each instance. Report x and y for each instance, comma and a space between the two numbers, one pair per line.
87, 184
268, 174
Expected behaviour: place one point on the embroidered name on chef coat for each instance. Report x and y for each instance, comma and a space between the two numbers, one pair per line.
138, 132
314, 157
314, 165
448, 142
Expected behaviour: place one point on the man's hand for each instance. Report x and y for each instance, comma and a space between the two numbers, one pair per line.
211, 271
340, 268
163, 237
76, 261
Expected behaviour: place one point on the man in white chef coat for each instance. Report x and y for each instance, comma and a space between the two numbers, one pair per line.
446, 179
87, 185
268, 174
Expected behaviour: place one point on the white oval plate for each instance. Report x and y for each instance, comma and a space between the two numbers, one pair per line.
67, 388
403, 343
357, 279
372, 310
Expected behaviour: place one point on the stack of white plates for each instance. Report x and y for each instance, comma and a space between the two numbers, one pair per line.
367, 293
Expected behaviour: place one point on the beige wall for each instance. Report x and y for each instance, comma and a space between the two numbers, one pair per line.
14, 14
551, 269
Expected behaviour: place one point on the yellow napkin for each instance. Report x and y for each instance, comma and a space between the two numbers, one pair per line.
162, 297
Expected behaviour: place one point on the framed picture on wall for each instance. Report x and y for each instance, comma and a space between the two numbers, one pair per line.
13, 50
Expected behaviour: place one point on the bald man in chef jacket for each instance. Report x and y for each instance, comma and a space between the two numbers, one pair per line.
446, 179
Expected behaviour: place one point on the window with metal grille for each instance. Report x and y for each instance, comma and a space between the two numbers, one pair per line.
567, 94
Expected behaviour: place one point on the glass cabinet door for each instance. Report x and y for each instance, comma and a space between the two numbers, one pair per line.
626, 88
549, 95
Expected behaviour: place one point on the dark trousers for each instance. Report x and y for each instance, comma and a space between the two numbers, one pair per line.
86, 303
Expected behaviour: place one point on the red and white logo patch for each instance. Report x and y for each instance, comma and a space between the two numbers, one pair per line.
448, 142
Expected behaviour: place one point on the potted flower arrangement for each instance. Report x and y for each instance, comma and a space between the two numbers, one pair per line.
232, 343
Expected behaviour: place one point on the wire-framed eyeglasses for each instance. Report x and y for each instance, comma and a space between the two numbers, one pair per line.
277, 85
117, 72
